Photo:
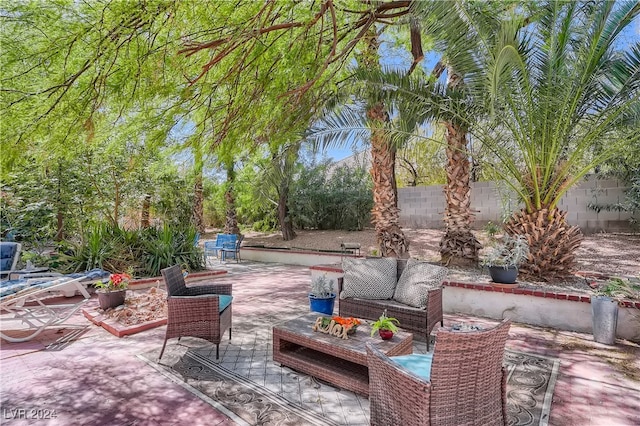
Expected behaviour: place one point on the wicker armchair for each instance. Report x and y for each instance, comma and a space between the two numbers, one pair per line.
194, 311
466, 384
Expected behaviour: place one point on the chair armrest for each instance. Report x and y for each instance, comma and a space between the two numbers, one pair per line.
435, 298
195, 289
193, 309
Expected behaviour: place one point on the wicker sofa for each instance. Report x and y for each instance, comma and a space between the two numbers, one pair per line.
419, 320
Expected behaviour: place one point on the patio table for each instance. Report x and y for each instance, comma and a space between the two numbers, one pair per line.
341, 362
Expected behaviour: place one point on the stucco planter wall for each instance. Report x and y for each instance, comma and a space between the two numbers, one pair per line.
291, 257
547, 309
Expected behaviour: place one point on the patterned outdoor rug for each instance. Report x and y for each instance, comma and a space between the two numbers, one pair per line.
247, 386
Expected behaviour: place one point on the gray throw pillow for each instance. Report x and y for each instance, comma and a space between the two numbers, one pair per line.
369, 278
417, 278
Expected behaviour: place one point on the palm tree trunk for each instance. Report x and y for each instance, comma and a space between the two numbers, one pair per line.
458, 245
231, 222
284, 218
385, 213
552, 242
198, 209
145, 214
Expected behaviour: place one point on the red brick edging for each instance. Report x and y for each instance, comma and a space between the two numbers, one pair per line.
524, 291
536, 293
117, 329
194, 276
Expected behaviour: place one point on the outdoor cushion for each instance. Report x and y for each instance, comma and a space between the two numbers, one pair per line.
5, 264
416, 280
369, 278
14, 286
225, 300
7, 250
418, 364
7, 254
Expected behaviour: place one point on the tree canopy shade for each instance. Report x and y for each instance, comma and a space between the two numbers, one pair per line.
243, 73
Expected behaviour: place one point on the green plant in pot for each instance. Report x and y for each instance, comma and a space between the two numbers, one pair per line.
504, 257
604, 307
112, 293
385, 326
322, 297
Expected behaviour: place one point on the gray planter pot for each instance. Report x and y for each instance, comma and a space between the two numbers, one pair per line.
501, 275
111, 299
604, 316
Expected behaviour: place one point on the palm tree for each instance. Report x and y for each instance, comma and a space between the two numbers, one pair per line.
459, 28
570, 90
552, 101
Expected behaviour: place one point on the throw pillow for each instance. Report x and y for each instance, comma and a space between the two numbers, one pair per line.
369, 278
416, 279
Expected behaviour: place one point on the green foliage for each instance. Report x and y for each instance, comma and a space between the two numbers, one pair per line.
384, 323
625, 166
491, 229
321, 287
620, 288
420, 161
167, 246
511, 251
144, 251
336, 199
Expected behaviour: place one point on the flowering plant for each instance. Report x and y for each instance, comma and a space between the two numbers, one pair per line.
116, 282
350, 324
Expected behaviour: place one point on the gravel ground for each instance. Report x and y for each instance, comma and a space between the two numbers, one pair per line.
606, 254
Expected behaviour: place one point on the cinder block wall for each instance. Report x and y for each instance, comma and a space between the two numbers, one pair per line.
423, 206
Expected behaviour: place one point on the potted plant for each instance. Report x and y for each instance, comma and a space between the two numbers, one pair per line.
112, 293
322, 297
504, 257
385, 326
604, 307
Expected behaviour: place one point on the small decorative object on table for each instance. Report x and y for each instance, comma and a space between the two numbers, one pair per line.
336, 326
385, 326
112, 293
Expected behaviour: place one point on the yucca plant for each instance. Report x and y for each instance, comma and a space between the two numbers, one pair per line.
168, 246
100, 247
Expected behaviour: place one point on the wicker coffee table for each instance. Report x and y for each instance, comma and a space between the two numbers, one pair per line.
340, 362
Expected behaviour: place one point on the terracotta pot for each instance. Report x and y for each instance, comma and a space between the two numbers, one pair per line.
385, 334
111, 299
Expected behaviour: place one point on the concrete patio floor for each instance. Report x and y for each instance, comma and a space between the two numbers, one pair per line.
92, 377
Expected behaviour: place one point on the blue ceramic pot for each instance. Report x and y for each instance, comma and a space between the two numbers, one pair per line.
322, 304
